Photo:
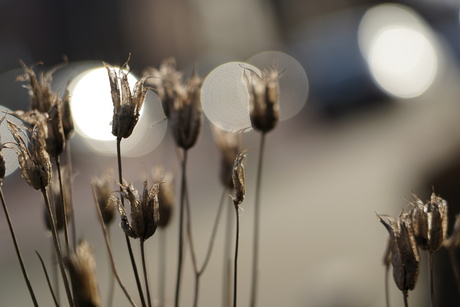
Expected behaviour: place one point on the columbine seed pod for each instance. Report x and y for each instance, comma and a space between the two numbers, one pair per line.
239, 185
405, 257
82, 271
229, 144
263, 99
164, 81
103, 190
165, 196
55, 141
34, 161
144, 211
430, 222
126, 105
185, 116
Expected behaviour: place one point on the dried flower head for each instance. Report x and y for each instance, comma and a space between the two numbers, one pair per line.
165, 196
405, 257
229, 144
164, 81
186, 116
82, 271
126, 105
263, 99
144, 211
34, 160
429, 222
239, 185
103, 191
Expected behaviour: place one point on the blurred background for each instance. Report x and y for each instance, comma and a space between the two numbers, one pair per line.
381, 121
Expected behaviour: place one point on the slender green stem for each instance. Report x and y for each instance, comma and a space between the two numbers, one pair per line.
431, 278
454, 265
18, 251
181, 230
128, 243
57, 247
64, 205
162, 267
227, 273
146, 279
405, 296
109, 250
69, 187
235, 264
48, 279
255, 255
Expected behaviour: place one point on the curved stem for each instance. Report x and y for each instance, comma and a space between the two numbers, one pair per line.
109, 250
48, 279
128, 243
18, 251
181, 231
64, 205
111, 281
146, 279
255, 255
430, 277
235, 265
57, 247
192, 248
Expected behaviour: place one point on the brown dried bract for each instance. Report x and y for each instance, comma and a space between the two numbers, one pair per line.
263, 99
144, 211
126, 105
405, 257
239, 185
82, 271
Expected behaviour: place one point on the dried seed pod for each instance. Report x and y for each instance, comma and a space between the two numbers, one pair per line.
144, 211
165, 196
186, 116
55, 140
82, 271
430, 222
164, 81
126, 105
263, 99
239, 185
405, 257
34, 161
103, 189
229, 144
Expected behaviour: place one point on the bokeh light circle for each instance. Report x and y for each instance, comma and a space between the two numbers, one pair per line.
293, 81
225, 96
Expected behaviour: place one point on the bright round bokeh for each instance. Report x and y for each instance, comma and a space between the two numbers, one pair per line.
92, 111
293, 81
225, 96
9, 155
400, 50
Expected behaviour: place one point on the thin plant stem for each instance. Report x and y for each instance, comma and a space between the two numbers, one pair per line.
255, 255
64, 205
431, 278
387, 290
18, 251
57, 247
146, 279
111, 280
69, 187
162, 267
128, 242
454, 265
55, 268
109, 250
227, 276
181, 230
405, 297
235, 264
48, 279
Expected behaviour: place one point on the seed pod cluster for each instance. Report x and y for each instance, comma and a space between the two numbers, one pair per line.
144, 211
126, 105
